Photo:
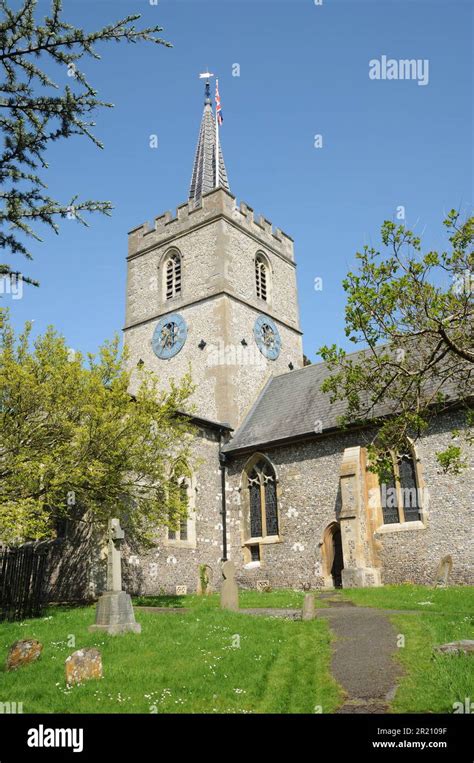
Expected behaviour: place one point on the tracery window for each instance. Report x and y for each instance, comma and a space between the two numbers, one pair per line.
401, 495
172, 275
261, 484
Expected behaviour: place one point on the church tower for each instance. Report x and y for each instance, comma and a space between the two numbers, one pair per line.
213, 290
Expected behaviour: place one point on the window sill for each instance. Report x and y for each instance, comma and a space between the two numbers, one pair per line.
400, 527
263, 541
252, 565
179, 543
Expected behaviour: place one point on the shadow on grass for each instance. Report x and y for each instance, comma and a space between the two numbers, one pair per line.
159, 601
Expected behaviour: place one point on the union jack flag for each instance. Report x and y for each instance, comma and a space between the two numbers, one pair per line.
219, 115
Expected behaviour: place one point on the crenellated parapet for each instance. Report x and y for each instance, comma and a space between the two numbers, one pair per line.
217, 204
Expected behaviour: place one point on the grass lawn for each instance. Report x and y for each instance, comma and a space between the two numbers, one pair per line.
181, 663
455, 599
280, 599
432, 682
205, 660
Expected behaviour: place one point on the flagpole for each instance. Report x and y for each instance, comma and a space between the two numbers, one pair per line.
217, 139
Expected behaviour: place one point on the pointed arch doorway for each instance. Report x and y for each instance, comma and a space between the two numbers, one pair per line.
332, 556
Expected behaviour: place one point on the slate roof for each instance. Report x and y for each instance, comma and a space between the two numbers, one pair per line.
289, 406
203, 178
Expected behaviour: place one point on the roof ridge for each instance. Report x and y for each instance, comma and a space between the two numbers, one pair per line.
324, 363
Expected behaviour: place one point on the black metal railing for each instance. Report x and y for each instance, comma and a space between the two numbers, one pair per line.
22, 581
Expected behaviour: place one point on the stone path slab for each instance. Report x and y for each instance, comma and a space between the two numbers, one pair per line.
289, 614
362, 661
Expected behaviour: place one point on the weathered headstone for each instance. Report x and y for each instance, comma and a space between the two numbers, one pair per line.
114, 611
465, 646
445, 567
83, 665
229, 590
22, 653
204, 582
309, 609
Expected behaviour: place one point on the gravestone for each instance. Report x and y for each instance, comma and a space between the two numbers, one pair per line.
464, 646
114, 611
229, 590
204, 583
445, 567
22, 653
83, 665
309, 610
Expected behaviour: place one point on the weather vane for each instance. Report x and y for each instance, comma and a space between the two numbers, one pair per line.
206, 76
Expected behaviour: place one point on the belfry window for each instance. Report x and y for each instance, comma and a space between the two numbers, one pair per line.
172, 275
261, 484
261, 277
401, 495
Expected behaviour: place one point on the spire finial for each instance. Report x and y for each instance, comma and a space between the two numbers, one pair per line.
209, 169
207, 75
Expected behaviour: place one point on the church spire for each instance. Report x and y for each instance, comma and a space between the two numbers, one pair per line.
203, 178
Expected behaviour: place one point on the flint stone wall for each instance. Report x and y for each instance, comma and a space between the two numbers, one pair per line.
309, 499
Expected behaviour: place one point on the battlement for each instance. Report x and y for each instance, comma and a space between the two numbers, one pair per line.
215, 204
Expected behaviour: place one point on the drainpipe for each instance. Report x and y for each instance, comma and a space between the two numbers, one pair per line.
222, 462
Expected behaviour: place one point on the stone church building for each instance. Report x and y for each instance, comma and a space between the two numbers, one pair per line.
278, 487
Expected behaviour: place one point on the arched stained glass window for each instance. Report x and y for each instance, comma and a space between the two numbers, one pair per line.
261, 483
182, 532
410, 498
400, 496
271, 513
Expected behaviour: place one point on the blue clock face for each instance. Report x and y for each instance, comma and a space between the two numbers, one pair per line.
267, 337
169, 336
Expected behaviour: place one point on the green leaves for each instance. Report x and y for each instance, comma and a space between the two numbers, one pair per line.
414, 313
74, 443
31, 118
451, 459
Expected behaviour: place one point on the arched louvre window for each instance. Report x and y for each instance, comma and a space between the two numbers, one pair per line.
261, 483
261, 277
173, 275
401, 495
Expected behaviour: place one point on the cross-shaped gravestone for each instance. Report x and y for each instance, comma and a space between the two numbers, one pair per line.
114, 562
114, 613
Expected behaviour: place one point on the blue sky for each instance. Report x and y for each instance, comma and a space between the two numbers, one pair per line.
304, 70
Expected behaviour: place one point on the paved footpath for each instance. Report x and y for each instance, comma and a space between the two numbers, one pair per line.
362, 659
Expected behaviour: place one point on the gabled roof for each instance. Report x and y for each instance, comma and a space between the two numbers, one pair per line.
289, 406
203, 178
